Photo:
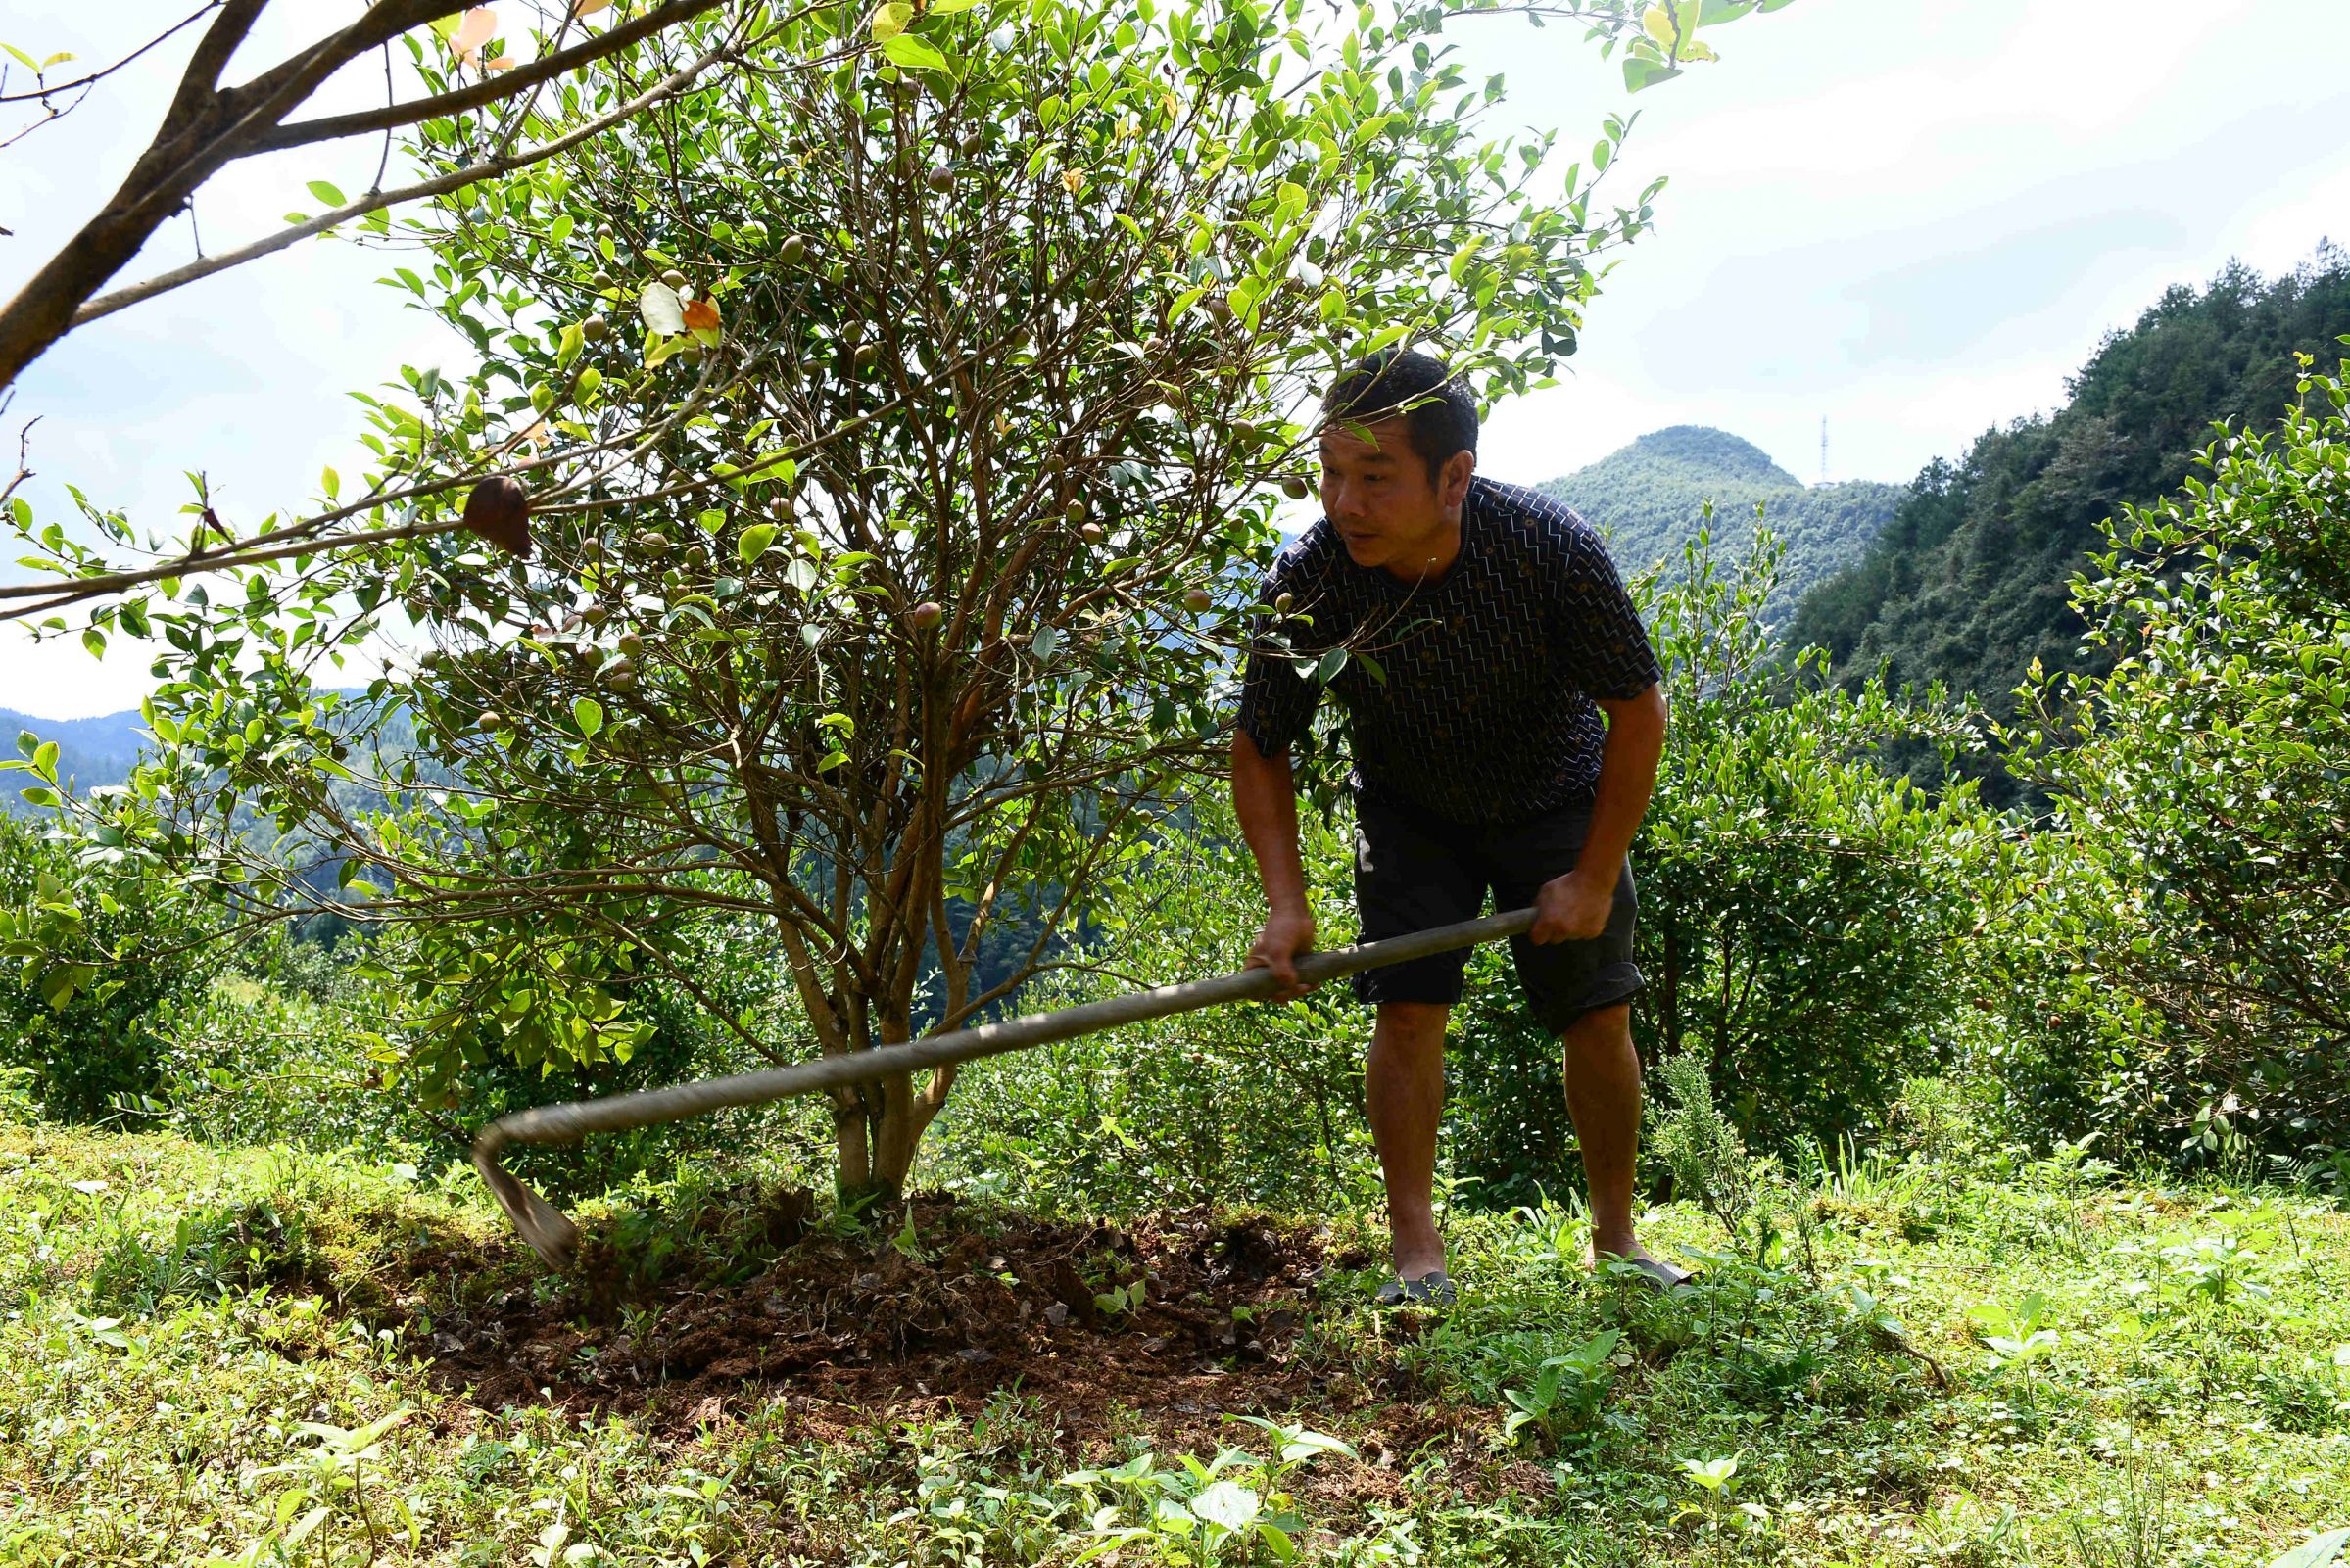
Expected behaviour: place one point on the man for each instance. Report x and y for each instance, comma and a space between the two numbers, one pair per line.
1505, 720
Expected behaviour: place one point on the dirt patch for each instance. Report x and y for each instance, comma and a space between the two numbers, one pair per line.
1157, 1329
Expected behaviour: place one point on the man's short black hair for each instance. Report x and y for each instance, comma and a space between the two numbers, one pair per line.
1439, 412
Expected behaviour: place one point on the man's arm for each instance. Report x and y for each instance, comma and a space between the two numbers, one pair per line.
1264, 798
1575, 907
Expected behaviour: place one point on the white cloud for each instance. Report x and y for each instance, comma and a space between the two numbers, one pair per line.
1917, 221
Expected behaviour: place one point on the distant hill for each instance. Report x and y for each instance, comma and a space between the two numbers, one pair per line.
1650, 498
89, 751
1968, 582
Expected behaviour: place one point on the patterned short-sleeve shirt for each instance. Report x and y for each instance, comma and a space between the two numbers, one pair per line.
1476, 700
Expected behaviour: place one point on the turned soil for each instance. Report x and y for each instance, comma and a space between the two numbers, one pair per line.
1158, 1330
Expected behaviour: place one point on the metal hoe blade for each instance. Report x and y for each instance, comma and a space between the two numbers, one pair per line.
552, 1236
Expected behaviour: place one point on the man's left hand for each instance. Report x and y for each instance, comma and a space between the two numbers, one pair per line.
1572, 908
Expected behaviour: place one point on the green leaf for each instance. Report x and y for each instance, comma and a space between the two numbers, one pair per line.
1639, 74
1048, 637
755, 542
588, 714
2317, 1552
44, 761
60, 983
1332, 663
325, 191
913, 54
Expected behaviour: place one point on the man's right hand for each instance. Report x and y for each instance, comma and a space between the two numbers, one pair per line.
1284, 937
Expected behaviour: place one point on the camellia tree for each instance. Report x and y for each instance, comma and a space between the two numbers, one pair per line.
889, 437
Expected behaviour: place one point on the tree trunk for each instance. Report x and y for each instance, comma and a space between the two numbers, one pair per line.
878, 1134
852, 1180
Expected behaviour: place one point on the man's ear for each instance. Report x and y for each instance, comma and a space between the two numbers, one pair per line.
1453, 487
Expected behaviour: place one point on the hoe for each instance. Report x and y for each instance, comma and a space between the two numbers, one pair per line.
551, 1234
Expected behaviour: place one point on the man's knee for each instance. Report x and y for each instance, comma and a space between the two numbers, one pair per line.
1414, 1027
1603, 1030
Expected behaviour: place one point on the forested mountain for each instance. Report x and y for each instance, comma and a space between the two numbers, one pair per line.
1968, 583
89, 751
1650, 498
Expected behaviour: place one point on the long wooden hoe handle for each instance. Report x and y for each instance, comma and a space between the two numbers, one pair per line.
551, 1234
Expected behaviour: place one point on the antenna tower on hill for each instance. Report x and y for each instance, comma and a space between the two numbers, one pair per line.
1823, 449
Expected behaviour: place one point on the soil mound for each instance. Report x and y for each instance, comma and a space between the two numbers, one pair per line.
1162, 1327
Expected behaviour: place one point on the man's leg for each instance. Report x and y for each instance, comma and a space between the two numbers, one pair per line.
1603, 1096
1403, 1082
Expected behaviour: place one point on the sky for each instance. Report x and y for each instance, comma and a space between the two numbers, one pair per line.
1912, 219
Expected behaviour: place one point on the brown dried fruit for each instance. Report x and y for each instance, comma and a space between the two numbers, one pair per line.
498, 510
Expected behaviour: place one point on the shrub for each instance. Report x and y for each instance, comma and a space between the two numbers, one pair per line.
2185, 957
301, 1048
1249, 1105
95, 951
1803, 914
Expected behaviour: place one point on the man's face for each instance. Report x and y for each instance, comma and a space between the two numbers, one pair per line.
1379, 495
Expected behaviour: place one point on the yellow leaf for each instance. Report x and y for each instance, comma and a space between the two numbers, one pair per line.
888, 21
588, 8
501, 62
1657, 21
1072, 181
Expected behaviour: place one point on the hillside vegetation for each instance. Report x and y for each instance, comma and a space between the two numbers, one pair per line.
89, 751
1650, 498
1971, 579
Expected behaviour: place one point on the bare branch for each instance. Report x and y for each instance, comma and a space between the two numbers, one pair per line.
164, 283
490, 90
91, 80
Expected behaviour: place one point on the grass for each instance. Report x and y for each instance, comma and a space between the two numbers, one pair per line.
217, 1356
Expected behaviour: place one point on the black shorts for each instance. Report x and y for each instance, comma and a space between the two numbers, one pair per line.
1413, 871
